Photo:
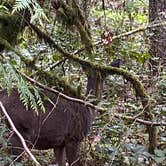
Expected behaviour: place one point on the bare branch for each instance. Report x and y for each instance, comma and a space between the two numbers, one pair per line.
101, 110
143, 28
56, 92
19, 135
141, 121
126, 34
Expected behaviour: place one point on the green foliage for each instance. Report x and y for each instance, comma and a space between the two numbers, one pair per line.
34, 8
162, 87
160, 156
19, 5
10, 78
133, 14
9, 27
3, 9
161, 96
121, 142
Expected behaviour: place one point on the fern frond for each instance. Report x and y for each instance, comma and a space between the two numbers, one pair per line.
23, 4
39, 99
29, 94
6, 80
34, 8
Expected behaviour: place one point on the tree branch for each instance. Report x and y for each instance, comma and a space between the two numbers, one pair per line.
137, 85
141, 121
56, 92
51, 78
19, 135
126, 34
143, 28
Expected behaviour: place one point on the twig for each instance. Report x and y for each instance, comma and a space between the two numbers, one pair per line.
49, 114
19, 135
57, 63
126, 34
144, 122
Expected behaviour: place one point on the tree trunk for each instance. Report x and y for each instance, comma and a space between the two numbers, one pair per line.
157, 13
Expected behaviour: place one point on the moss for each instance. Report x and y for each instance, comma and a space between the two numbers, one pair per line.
60, 84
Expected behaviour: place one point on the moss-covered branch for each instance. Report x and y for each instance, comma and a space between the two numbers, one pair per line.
137, 85
51, 78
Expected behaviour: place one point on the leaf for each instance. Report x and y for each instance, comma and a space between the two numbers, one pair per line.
56, 57
22, 4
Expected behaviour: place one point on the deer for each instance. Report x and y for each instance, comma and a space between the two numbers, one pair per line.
61, 127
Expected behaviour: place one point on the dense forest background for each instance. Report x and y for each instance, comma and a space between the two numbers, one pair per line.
111, 53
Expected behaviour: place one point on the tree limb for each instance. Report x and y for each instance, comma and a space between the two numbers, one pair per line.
137, 85
143, 28
126, 34
51, 78
130, 118
141, 121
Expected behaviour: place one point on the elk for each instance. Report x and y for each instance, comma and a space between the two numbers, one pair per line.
62, 127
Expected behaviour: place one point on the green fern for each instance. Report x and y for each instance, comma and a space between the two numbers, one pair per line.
23, 4
29, 94
5, 80
34, 8
39, 99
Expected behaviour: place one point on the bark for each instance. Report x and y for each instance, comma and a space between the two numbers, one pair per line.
157, 13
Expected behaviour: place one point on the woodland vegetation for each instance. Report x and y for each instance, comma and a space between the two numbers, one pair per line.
109, 54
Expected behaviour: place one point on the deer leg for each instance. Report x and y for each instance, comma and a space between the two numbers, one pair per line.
72, 153
60, 156
15, 147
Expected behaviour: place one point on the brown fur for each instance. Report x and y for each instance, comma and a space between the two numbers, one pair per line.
62, 127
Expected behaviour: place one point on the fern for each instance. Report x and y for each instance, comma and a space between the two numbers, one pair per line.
23, 4
5, 80
29, 94
39, 99
34, 8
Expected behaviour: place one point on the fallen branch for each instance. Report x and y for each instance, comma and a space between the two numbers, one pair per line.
141, 121
19, 135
